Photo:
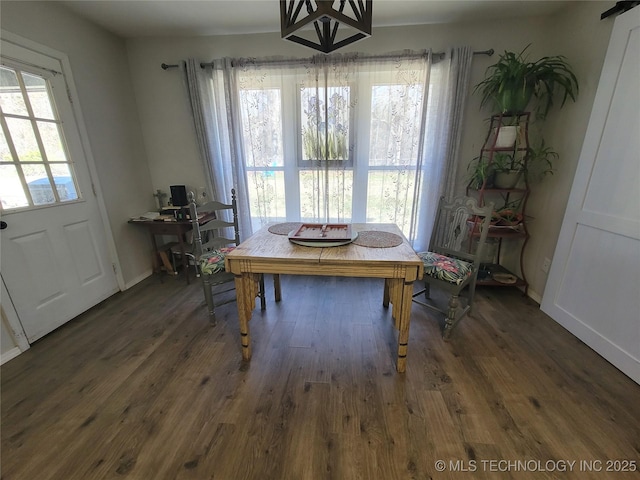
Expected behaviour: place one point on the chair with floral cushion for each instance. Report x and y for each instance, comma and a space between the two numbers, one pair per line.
211, 243
453, 260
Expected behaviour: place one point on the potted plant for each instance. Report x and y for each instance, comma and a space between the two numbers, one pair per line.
540, 161
509, 215
513, 81
479, 173
508, 169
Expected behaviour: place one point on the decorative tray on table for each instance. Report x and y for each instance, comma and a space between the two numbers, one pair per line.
323, 234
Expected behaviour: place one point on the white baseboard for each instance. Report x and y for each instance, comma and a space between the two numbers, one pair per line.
6, 356
138, 279
535, 296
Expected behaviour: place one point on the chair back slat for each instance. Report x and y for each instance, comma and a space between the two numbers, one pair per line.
455, 221
195, 225
214, 206
216, 224
214, 234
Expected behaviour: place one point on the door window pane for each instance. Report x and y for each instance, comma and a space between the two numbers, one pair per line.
24, 140
13, 195
5, 153
39, 184
51, 141
11, 99
64, 182
38, 96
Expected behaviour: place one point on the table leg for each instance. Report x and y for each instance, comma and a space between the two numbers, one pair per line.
166, 262
276, 287
263, 298
247, 288
208, 297
183, 254
405, 321
400, 296
385, 296
155, 254
393, 295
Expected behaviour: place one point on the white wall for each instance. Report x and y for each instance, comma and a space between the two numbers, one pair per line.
582, 37
576, 32
102, 78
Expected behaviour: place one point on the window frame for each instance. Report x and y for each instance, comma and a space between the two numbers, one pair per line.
359, 143
311, 164
49, 76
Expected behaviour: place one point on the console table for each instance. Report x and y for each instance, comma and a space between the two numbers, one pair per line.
178, 229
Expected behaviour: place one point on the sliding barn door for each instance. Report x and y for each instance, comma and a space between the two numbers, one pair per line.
594, 283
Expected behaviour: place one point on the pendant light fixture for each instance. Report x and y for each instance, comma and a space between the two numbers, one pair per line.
333, 28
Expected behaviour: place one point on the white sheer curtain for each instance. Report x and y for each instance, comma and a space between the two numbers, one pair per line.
333, 138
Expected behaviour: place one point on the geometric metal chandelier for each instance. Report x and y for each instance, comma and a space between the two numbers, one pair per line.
333, 28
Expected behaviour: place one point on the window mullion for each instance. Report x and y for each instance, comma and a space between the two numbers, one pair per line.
362, 126
291, 147
33, 117
14, 155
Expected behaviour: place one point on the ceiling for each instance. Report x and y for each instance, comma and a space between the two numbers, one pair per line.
167, 18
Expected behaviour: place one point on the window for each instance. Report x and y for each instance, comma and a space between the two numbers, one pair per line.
35, 169
344, 149
262, 137
394, 149
324, 126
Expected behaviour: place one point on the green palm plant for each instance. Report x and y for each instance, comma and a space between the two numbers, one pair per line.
511, 83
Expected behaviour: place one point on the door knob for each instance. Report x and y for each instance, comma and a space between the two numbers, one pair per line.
3, 224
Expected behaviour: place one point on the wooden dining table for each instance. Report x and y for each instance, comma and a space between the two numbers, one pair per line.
271, 253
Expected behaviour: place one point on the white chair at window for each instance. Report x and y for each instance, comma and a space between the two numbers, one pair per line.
453, 260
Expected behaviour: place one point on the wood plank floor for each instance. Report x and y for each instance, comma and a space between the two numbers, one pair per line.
142, 387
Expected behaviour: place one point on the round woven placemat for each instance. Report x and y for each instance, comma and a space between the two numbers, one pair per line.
284, 228
372, 238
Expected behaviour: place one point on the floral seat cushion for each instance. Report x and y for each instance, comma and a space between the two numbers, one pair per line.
445, 268
213, 261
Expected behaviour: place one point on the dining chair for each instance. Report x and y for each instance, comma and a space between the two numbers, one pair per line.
212, 241
453, 260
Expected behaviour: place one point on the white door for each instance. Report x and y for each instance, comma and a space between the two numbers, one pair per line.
54, 257
594, 283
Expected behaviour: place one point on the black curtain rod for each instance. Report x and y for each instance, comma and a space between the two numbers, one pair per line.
489, 53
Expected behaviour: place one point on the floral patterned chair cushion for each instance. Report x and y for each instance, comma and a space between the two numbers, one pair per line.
213, 262
445, 268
